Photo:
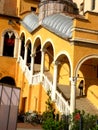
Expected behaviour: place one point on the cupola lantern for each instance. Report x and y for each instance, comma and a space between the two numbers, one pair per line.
49, 7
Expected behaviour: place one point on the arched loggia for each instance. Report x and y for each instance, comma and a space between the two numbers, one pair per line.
63, 74
87, 70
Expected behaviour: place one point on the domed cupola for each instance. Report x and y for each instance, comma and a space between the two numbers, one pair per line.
48, 7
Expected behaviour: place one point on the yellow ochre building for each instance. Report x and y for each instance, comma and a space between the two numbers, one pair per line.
50, 45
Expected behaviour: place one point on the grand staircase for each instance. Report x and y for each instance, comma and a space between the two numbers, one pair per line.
82, 103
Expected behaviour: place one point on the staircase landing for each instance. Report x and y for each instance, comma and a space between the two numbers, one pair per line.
82, 103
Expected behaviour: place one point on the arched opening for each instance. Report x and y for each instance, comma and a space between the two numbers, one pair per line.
64, 72
22, 51
88, 72
28, 54
38, 55
8, 80
9, 41
49, 58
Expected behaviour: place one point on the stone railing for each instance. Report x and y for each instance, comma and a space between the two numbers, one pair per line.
36, 79
62, 104
22, 63
46, 83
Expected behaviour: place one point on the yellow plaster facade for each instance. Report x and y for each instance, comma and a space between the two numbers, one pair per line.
61, 62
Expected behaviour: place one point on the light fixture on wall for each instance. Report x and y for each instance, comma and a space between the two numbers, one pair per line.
10, 22
13, 22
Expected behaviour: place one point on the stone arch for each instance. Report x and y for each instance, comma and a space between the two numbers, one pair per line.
46, 43
16, 34
37, 50
81, 62
67, 55
37, 40
48, 48
87, 70
28, 56
64, 66
22, 45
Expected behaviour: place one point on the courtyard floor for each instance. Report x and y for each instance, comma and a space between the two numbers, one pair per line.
27, 126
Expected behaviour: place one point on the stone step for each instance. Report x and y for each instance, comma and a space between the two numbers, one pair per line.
83, 103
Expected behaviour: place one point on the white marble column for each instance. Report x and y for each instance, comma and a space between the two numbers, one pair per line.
87, 5
55, 80
19, 49
1, 45
25, 55
16, 45
96, 6
32, 63
73, 94
42, 64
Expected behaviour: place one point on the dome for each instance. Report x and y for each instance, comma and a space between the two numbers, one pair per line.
30, 22
59, 24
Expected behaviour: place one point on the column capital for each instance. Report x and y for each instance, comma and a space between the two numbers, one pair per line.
74, 79
56, 62
33, 55
25, 45
43, 50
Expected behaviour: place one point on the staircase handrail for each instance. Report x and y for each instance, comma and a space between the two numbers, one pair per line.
22, 63
36, 79
46, 83
62, 104
28, 73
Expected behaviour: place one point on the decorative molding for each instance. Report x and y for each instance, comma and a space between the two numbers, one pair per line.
84, 40
85, 30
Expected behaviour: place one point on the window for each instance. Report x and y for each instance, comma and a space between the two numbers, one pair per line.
33, 9
9, 40
81, 6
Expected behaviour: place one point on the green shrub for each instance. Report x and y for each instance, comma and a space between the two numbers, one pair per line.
95, 128
51, 124
48, 118
81, 119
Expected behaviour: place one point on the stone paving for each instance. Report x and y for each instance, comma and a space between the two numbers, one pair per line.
82, 103
28, 126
